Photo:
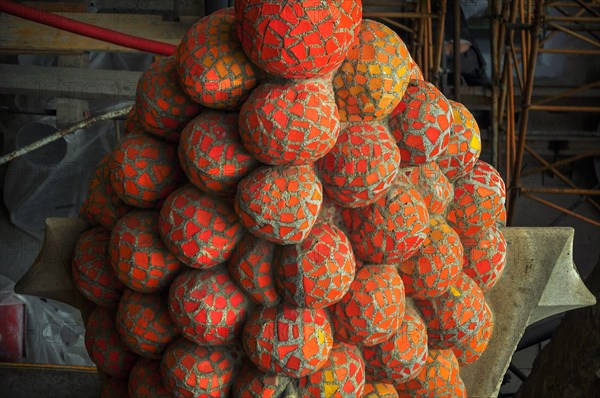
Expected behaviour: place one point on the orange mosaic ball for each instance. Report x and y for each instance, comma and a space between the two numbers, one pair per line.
208, 306
361, 166
435, 189
113, 387
440, 377
379, 390
485, 257
144, 170
163, 108
421, 123
372, 79
456, 315
317, 272
92, 273
343, 375
295, 39
212, 155
391, 229
144, 323
464, 146
372, 310
252, 382
289, 122
145, 380
200, 229
213, 69
279, 204
401, 357
191, 370
478, 201
471, 349
286, 340
437, 263
138, 256
104, 345
251, 267
102, 205
414, 70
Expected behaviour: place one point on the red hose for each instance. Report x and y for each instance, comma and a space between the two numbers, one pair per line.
85, 29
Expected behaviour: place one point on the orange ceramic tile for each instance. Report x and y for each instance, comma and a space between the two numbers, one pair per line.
208, 306
213, 69
373, 77
435, 189
92, 273
379, 390
470, 349
163, 108
252, 382
212, 155
485, 257
297, 39
290, 122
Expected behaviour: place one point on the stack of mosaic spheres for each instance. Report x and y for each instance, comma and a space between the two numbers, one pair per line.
293, 212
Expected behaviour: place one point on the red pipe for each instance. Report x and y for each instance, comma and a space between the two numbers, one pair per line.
84, 29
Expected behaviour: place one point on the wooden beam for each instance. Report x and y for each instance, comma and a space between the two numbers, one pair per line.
68, 82
22, 36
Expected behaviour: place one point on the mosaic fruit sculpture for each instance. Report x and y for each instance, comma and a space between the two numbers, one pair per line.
292, 212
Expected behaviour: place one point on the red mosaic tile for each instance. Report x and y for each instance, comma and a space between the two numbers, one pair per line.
435, 189
485, 257
145, 380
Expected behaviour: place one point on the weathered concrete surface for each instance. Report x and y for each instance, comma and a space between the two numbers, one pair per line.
569, 366
535, 257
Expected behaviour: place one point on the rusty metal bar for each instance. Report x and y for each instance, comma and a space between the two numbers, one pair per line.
564, 108
587, 8
569, 51
565, 191
439, 52
575, 34
562, 209
593, 152
524, 117
397, 24
560, 175
574, 18
407, 15
457, 66
568, 93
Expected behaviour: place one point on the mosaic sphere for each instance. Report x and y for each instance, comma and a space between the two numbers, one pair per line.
113, 387
290, 341
464, 146
191, 370
138, 256
102, 205
212, 155
437, 263
252, 382
200, 229
421, 123
289, 122
414, 70
295, 39
162, 106
456, 315
104, 345
435, 189
251, 266
379, 390
342, 376
391, 229
279, 204
371, 311
373, 77
317, 272
92, 273
132, 123
485, 257
208, 306
213, 69
440, 377
479, 199
144, 170
361, 166
470, 349
144, 323
145, 380
401, 357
